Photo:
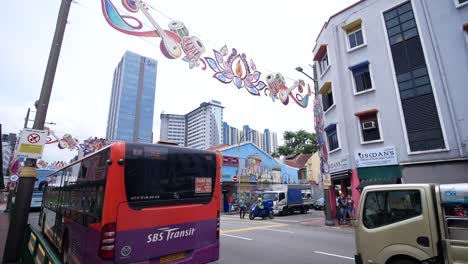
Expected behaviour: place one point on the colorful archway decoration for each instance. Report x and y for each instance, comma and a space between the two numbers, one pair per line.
229, 67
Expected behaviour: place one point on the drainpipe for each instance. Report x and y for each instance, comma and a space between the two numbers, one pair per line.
446, 91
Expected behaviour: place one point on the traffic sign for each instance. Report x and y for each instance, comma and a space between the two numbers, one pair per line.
235, 178
14, 178
31, 143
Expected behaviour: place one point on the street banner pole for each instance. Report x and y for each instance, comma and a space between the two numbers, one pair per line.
20, 213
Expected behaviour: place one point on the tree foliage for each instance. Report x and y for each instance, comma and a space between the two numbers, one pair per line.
298, 142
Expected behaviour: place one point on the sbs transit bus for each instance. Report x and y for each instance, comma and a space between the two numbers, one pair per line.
136, 203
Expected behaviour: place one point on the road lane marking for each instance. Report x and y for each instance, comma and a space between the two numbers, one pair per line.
329, 254
287, 221
250, 228
277, 230
244, 238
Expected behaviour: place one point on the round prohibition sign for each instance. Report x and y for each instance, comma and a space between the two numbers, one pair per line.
34, 138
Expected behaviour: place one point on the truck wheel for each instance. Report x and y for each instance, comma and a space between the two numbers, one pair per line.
404, 261
303, 210
251, 216
284, 211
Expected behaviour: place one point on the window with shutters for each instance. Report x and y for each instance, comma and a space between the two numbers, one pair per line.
417, 98
355, 35
327, 96
332, 137
361, 77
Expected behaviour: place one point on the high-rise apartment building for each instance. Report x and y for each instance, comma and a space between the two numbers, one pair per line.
202, 128
205, 126
132, 100
267, 141
173, 128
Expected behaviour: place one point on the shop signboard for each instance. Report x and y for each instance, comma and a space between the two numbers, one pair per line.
376, 157
339, 164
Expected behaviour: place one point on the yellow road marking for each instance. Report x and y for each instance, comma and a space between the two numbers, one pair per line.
250, 228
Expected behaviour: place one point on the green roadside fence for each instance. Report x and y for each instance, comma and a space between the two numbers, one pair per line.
38, 249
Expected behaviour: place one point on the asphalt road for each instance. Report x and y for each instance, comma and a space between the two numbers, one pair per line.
294, 239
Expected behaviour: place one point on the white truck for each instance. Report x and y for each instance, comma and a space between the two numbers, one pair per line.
288, 198
413, 223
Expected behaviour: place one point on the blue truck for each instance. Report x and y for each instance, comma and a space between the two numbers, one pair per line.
289, 198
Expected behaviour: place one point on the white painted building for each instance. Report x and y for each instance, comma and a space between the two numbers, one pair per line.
392, 76
173, 128
202, 128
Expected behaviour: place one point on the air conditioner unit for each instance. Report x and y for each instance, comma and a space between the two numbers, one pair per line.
368, 125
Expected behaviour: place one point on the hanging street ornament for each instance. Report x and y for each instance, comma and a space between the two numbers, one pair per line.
228, 67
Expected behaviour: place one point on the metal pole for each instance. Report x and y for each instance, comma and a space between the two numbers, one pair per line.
2, 183
27, 118
326, 189
20, 213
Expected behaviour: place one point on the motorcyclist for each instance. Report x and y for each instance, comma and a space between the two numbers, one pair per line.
260, 204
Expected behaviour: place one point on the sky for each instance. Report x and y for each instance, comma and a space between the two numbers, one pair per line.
277, 35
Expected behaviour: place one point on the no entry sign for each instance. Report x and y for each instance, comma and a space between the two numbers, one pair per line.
31, 143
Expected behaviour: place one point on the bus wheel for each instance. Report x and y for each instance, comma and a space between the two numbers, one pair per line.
65, 250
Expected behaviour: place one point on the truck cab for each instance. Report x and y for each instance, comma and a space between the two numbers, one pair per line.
413, 223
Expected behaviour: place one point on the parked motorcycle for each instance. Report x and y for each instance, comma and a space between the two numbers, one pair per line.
267, 210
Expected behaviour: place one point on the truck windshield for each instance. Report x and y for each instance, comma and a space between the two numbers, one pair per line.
272, 196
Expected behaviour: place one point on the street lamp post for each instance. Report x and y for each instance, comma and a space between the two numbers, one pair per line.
326, 194
20, 213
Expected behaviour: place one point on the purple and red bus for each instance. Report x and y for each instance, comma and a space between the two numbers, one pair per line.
136, 203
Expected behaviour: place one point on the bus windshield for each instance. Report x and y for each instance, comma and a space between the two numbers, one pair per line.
165, 175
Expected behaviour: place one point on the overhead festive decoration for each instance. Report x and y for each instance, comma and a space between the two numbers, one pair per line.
91, 145
66, 142
321, 140
228, 68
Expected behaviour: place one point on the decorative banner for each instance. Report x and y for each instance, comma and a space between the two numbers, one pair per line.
229, 68
56, 165
321, 140
91, 145
66, 142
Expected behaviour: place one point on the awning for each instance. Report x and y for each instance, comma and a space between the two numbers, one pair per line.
320, 53
325, 89
378, 175
353, 26
340, 175
368, 182
382, 172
